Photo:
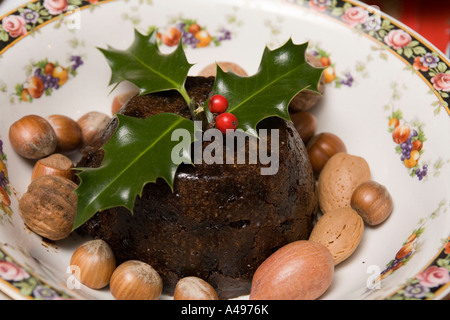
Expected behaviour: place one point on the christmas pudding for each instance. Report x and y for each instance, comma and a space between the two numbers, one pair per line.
217, 220
220, 222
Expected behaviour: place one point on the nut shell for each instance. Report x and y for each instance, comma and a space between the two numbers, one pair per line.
339, 178
307, 99
300, 270
135, 280
210, 70
56, 164
306, 125
49, 207
340, 231
67, 130
194, 288
92, 124
373, 202
32, 137
96, 263
121, 99
321, 148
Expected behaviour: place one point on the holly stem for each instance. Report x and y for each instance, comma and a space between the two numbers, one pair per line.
197, 113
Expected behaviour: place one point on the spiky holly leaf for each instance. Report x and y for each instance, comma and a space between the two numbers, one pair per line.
146, 67
139, 152
282, 74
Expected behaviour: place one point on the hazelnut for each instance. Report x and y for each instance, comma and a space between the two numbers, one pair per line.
67, 131
194, 288
135, 280
32, 137
56, 164
49, 207
307, 99
211, 69
95, 263
306, 125
92, 124
300, 270
121, 99
373, 202
321, 148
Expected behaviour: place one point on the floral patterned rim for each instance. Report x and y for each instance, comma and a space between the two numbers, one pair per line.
418, 55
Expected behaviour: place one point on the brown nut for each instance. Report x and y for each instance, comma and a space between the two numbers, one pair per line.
321, 148
49, 207
93, 263
67, 130
306, 125
92, 124
56, 164
340, 231
300, 270
307, 99
121, 99
32, 137
210, 70
194, 288
135, 280
373, 202
339, 178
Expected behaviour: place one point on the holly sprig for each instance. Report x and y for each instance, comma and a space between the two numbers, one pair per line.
139, 151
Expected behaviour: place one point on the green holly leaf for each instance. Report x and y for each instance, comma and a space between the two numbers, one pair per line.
143, 65
282, 74
139, 152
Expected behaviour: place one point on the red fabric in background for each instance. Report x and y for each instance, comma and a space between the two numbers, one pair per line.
430, 18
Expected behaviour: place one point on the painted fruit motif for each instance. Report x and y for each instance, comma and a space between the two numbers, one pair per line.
171, 37
192, 34
4, 198
61, 73
203, 37
409, 139
35, 87
405, 250
401, 133
329, 74
45, 77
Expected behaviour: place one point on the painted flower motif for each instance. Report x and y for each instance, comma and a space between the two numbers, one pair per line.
430, 61
355, 15
55, 7
319, 5
398, 39
45, 293
373, 23
441, 82
11, 272
15, 25
416, 291
434, 276
418, 64
30, 16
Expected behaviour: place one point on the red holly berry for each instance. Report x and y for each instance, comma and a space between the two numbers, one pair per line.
226, 121
218, 104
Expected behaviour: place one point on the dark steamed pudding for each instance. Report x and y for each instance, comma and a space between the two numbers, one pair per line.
221, 221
